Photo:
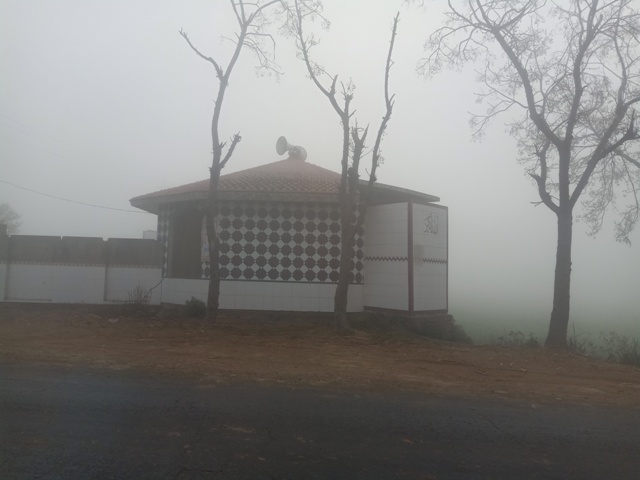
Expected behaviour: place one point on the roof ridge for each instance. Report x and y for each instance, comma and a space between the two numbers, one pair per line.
278, 162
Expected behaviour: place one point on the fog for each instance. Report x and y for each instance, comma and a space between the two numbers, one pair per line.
103, 101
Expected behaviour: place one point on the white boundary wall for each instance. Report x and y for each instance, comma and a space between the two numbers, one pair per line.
120, 281
56, 283
41, 268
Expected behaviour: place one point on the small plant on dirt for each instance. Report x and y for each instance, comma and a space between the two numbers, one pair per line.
610, 345
138, 296
517, 339
581, 343
195, 308
620, 348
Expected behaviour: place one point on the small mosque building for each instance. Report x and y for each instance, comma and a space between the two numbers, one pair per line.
280, 242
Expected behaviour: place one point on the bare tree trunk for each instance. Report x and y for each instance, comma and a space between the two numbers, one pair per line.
340, 302
557, 336
213, 297
346, 260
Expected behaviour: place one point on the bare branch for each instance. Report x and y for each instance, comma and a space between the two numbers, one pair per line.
389, 102
234, 141
304, 45
541, 179
219, 71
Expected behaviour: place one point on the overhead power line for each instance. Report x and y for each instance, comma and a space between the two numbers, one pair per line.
72, 201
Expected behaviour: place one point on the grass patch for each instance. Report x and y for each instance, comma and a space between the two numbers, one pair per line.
516, 339
610, 346
620, 348
195, 308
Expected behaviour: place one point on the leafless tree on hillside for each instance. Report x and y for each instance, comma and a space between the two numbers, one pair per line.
252, 22
354, 196
569, 72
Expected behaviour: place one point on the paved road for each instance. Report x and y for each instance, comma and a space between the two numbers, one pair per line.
78, 423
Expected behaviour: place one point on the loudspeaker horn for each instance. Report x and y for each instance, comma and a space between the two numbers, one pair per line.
295, 151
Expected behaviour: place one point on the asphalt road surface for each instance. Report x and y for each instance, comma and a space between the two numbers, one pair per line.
80, 423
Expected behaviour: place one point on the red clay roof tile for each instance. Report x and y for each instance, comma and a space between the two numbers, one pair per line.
285, 176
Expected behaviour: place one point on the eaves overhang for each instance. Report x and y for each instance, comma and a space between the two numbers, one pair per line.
154, 204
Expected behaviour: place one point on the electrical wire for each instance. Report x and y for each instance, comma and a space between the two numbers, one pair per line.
72, 201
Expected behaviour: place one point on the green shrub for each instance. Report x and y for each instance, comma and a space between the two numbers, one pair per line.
620, 348
195, 308
516, 340
138, 296
581, 343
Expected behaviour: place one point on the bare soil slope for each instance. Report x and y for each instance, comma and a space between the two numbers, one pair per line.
251, 348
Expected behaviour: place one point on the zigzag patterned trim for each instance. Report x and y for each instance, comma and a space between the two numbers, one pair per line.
404, 259
433, 260
387, 259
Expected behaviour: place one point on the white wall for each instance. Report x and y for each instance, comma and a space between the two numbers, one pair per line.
122, 281
78, 284
29, 283
386, 277
57, 283
271, 296
430, 257
3, 278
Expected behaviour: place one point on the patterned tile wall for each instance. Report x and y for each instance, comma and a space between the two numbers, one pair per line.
164, 223
277, 242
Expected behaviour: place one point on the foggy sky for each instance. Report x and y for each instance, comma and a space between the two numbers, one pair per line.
103, 101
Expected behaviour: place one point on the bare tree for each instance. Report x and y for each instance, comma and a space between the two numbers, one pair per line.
10, 218
569, 72
353, 198
252, 35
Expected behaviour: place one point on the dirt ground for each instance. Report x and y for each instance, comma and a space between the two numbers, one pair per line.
307, 352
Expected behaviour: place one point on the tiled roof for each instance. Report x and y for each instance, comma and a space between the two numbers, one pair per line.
291, 180
285, 176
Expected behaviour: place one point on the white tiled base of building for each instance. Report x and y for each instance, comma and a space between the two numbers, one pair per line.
270, 296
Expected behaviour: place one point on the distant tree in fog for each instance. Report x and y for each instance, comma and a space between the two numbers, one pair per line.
570, 73
10, 218
353, 198
251, 34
